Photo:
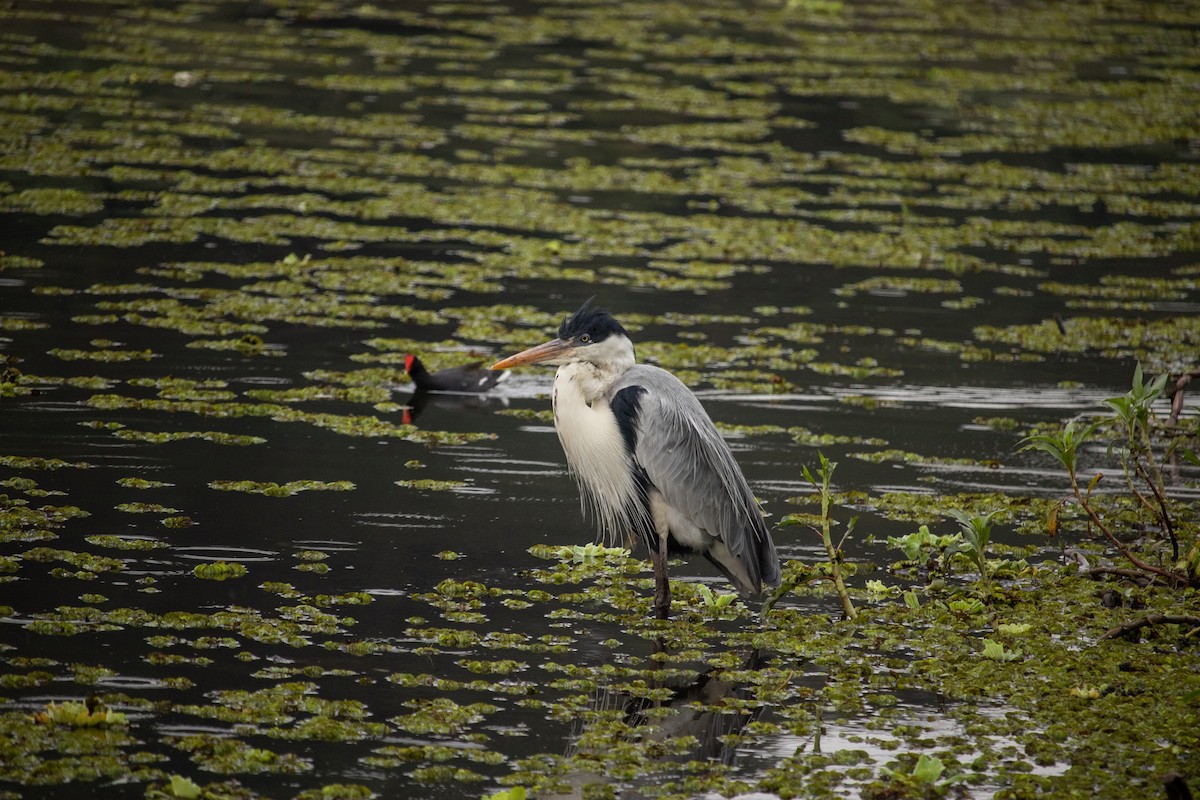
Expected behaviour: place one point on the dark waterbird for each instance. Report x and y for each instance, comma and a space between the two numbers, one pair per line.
649, 461
470, 378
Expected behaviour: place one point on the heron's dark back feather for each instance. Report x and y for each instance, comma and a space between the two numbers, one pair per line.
625, 406
685, 458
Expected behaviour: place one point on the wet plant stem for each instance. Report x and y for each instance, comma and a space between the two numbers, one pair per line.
1133, 415
1149, 473
821, 482
1172, 577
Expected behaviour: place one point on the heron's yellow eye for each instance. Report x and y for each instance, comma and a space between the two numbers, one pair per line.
585, 338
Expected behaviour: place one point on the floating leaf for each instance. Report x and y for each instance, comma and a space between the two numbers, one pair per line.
271, 489
219, 571
79, 715
997, 652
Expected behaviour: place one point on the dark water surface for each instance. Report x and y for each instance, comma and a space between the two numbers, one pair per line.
849, 226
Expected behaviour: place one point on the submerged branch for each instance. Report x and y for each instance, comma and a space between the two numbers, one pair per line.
1152, 619
1176, 395
1174, 577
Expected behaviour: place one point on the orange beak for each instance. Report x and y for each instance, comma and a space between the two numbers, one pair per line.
551, 352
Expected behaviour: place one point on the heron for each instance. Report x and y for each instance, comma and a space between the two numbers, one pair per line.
648, 459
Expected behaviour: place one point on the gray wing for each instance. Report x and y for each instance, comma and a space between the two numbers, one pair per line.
688, 462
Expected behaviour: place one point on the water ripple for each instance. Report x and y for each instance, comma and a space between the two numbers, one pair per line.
225, 553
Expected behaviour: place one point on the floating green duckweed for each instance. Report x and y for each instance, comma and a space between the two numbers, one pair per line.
348, 425
101, 355
79, 715
141, 483
442, 716
125, 542
233, 757
430, 485
85, 562
215, 437
67, 202
219, 571
272, 489
37, 462
146, 508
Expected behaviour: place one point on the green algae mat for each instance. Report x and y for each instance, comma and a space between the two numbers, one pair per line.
240, 559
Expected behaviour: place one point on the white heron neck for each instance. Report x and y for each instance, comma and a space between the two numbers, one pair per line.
610, 359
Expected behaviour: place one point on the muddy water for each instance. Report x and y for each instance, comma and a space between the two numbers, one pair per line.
903, 236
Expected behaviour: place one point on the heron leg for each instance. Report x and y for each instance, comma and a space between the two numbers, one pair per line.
658, 553
662, 585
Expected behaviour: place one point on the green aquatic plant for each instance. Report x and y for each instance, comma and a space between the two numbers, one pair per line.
976, 532
923, 780
1134, 430
591, 552
923, 546
338, 791
229, 756
1135, 416
88, 564
272, 489
91, 714
125, 542
822, 483
38, 462
998, 652
715, 600
184, 788
141, 483
219, 571
431, 485
146, 508
441, 716
161, 437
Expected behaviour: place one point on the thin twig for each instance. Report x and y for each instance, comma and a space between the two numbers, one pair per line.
1175, 578
1176, 395
1131, 574
1162, 512
1151, 619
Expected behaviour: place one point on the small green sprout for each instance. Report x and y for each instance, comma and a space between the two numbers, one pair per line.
587, 553
713, 599
997, 652
184, 788
881, 589
79, 715
924, 780
928, 769
515, 793
976, 532
965, 606
914, 545
219, 570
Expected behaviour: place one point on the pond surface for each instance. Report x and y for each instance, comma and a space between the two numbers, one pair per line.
902, 234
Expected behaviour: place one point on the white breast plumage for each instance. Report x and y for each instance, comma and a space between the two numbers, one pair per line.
596, 452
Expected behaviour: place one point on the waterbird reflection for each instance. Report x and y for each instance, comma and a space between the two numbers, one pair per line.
705, 706
422, 399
